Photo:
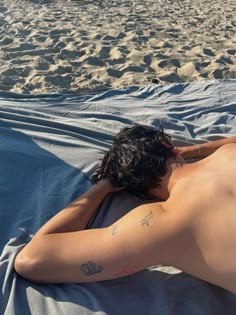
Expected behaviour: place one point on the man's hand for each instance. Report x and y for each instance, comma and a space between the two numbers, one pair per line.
193, 151
183, 151
106, 184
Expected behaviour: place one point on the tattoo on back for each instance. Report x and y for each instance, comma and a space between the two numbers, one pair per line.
147, 218
90, 268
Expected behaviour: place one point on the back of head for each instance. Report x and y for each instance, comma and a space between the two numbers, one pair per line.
137, 159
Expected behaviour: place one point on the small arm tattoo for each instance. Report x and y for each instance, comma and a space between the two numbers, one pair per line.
147, 218
90, 268
114, 228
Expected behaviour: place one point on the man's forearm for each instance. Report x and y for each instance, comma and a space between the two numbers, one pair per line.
205, 149
77, 214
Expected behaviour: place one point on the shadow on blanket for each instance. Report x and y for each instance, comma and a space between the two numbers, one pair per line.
34, 185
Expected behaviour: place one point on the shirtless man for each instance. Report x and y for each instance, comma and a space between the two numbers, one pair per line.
193, 228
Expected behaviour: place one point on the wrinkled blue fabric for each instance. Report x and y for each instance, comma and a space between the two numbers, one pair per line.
49, 145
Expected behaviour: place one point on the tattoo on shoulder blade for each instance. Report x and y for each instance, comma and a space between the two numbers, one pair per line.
114, 228
147, 218
90, 268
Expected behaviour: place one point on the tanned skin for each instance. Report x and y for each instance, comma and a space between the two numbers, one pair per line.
192, 229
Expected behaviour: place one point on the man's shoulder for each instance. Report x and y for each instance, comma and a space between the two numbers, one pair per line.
184, 195
182, 184
226, 154
227, 147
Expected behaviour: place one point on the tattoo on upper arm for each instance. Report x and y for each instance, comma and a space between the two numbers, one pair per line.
114, 228
90, 268
147, 218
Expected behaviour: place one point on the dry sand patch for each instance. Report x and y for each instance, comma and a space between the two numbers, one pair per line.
56, 46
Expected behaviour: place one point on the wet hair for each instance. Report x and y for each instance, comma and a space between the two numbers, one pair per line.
137, 160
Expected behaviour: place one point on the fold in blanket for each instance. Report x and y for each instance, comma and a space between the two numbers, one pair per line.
49, 145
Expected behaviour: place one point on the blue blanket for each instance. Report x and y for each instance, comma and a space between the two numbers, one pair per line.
49, 145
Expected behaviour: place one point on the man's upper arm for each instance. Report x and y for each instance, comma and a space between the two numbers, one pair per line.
142, 238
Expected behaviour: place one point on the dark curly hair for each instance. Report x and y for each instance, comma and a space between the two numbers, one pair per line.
137, 160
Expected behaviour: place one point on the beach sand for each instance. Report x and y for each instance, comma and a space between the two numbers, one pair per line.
60, 46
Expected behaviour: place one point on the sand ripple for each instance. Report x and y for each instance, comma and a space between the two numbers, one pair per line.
57, 46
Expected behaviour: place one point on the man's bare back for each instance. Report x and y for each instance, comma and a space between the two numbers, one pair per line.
206, 199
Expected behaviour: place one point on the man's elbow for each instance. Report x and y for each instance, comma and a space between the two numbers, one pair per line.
27, 267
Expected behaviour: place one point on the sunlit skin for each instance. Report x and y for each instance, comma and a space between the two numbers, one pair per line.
193, 228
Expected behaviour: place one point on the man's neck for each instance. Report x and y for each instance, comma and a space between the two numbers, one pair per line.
176, 171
